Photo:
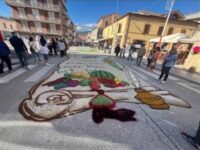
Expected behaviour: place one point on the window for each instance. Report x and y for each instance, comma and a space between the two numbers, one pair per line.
160, 30
22, 13
106, 24
38, 26
183, 31
119, 28
170, 31
36, 14
11, 27
25, 26
4, 25
146, 29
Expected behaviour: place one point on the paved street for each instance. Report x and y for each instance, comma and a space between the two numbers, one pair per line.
153, 130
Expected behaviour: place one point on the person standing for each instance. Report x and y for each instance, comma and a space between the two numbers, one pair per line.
105, 46
66, 48
20, 49
44, 51
195, 141
140, 55
149, 58
61, 46
168, 63
50, 47
34, 50
42, 40
117, 50
5, 56
131, 51
54, 46
155, 56
122, 52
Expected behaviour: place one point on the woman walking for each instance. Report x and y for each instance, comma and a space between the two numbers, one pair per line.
155, 56
168, 63
149, 58
34, 50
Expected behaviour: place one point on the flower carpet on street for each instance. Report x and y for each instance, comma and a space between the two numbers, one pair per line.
94, 83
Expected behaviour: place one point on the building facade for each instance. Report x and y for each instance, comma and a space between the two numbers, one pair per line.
141, 27
47, 17
7, 25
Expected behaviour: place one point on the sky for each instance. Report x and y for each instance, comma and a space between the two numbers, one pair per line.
85, 13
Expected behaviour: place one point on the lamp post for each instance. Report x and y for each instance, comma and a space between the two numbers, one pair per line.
167, 20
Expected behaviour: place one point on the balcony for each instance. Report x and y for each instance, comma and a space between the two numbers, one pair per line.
46, 20
53, 32
14, 3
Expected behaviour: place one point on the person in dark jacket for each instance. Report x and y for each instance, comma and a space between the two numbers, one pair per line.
194, 140
54, 46
5, 56
42, 40
117, 50
20, 49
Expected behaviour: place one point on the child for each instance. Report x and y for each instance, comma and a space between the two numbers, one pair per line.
44, 51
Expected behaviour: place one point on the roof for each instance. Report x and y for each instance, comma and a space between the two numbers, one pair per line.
6, 18
153, 15
107, 16
193, 16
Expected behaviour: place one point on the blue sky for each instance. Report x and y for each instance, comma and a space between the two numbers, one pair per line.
85, 13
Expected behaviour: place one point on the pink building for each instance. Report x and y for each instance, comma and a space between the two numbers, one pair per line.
35, 17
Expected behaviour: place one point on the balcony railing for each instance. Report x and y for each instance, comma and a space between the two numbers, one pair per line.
46, 20
36, 6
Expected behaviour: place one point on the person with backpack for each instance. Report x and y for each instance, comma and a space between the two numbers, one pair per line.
168, 63
34, 50
5, 56
20, 49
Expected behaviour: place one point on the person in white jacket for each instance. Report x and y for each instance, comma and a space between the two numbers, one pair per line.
34, 50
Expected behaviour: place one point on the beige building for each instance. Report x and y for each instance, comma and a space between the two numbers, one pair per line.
192, 62
7, 25
47, 17
143, 26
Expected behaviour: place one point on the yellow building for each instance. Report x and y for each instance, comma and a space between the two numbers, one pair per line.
143, 26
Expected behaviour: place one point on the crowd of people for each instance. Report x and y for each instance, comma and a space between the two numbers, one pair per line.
40, 48
152, 58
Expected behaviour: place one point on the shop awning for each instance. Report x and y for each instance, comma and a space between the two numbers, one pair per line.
195, 38
173, 38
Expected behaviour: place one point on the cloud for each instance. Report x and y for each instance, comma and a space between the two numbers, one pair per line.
85, 27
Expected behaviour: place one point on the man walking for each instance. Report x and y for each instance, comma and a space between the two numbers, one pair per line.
141, 53
20, 49
5, 56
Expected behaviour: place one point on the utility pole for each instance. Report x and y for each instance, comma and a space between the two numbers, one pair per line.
115, 26
167, 20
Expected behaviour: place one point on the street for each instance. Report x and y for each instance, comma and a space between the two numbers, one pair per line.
154, 129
